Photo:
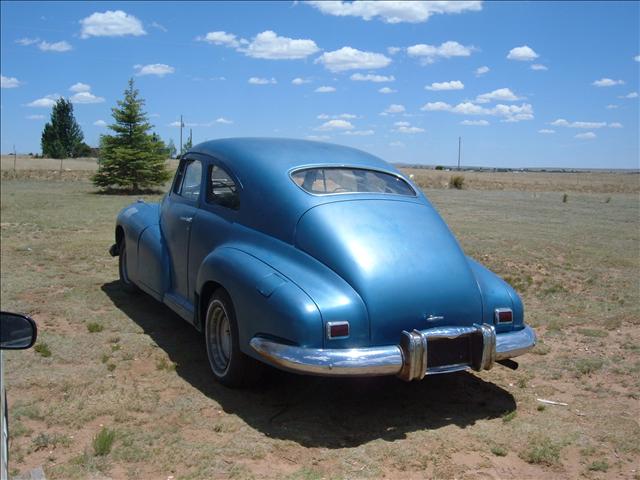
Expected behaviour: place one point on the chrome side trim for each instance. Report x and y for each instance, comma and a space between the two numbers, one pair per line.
514, 344
488, 346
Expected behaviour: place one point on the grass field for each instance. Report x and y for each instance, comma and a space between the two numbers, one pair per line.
120, 387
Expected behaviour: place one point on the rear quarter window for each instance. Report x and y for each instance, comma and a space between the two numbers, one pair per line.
330, 180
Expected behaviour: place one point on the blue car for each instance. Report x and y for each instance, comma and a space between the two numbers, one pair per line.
317, 259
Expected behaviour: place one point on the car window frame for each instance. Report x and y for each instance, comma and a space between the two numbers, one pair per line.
213, 163
179, 180
351, 167
224, 212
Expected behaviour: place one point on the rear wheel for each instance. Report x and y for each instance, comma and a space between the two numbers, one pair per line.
229, 365
125, 282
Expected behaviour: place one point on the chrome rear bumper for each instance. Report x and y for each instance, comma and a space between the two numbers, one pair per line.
408, 360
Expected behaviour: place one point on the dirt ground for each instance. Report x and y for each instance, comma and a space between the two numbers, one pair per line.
109, 359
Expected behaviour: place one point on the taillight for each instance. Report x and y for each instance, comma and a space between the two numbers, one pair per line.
337, 330
503, 315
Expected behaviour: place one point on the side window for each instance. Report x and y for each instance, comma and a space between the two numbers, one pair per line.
221, 189
191, 179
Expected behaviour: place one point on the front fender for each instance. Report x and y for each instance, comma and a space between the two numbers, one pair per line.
266, 302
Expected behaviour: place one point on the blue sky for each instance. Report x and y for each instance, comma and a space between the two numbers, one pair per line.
559, 85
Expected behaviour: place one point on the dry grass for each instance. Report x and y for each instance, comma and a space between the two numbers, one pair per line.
144, 375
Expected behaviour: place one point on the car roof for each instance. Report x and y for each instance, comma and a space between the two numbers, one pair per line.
252, 156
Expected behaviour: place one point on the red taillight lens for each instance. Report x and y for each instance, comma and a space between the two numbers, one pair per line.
338, 329
504, 315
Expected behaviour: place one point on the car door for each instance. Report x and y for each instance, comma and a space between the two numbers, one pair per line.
178, 213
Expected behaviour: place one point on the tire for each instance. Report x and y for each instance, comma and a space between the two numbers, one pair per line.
125, 282
229, 364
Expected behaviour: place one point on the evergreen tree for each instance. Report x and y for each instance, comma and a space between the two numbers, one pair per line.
62, 136
132, 159
187, 145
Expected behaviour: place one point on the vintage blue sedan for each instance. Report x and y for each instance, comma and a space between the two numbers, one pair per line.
318, 259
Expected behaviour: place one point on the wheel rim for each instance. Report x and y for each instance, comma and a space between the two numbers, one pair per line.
219, 338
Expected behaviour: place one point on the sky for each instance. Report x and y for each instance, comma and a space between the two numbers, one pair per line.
539, 84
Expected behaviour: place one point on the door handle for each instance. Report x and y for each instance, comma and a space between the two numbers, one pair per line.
186, 219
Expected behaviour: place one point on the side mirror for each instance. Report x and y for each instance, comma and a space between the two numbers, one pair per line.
17, 331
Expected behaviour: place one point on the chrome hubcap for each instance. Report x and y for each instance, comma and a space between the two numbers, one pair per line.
218, 338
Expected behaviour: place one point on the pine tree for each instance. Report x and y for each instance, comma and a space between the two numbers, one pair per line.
62, 136
132, 159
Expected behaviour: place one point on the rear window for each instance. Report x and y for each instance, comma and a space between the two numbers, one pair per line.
322, 181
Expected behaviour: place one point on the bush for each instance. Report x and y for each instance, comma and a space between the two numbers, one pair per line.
542, 451
439, 167
42, 349
599, 466
103, 442
457, 182
94, 327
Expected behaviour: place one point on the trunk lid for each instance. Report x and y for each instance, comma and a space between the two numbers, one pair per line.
400, 257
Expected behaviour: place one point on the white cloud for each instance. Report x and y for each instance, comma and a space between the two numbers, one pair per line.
510, 113
268, 45
9, 82
630, 95
80, 87
475, 123
325, 89
359, 77
223, 120
615, 125
611, 106
522, 54
637, 58
430, 53
481, 70
348, 58
406, 127
336, 125
396, 144
436, 107
26, 41
499, 95
85, 97
318, 138
394, 108
100, 123
387, 90
35, 117
158, 69
546, 131
539, 66
221, 38
452, 85
47, 101
112, 23
586, 136
393, 50
561, 122
607, 82
300, 81
347, 116
262, 81
159, 26
55, 47
359, 133
394, 11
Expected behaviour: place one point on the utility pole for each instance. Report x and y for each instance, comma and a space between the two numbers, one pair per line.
181, 125
190, 137
14, 159
459, 150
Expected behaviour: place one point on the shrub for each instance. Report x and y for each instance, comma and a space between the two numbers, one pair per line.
542, 451
103, 442
457, 182
439, 167
94, 327
599, 466
499, 451
42, 349
565, 197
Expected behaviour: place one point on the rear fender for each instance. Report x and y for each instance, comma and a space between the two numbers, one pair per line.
266, 303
